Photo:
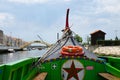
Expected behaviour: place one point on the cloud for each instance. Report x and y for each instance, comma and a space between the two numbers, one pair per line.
29, 1
6, 19
85, 17
37, 1
110, 6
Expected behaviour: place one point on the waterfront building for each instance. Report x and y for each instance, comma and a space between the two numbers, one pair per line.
10, 41
97, 35
14, 42
19, 42
5, 40
1, 37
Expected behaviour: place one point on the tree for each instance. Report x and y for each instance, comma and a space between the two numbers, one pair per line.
116, 38
78, 38
88, 40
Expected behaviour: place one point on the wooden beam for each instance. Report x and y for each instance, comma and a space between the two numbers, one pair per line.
41, 76
109, 76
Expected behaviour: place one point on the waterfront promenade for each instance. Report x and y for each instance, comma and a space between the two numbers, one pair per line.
108, 50
105, 50
8, 48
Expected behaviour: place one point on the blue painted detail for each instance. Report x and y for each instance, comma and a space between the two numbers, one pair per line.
0, 71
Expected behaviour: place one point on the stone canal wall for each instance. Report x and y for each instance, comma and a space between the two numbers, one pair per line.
105, 50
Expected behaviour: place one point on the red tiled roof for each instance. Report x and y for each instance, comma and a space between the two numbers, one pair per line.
97, 31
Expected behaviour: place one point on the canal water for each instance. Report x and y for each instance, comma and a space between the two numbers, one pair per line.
11, 57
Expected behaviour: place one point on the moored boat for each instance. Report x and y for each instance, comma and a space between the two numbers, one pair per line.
69, 60
65, 60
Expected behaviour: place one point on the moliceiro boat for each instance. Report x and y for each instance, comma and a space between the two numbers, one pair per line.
65, 60
69, 60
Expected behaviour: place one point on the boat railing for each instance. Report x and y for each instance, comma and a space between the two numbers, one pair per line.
19, 70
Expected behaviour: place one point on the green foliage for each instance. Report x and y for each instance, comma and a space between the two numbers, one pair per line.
116, 38
108, 42
78, 38
88, 40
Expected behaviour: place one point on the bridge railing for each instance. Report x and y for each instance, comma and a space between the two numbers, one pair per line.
29, 43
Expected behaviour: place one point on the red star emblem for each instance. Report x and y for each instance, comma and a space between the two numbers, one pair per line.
72, 71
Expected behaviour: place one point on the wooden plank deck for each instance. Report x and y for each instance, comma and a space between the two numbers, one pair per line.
41, 76
109, 76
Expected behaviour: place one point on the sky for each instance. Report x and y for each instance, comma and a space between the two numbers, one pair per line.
26, 19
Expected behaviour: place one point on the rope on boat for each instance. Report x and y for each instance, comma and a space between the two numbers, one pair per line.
57, 49
73, 41
47, 55
67, 34
60, 47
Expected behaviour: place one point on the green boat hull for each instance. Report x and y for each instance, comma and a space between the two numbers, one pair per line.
20, 70
56, 72
65, 60
55, 68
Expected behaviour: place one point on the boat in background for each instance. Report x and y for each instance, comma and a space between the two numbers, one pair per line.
65, 60
11, 50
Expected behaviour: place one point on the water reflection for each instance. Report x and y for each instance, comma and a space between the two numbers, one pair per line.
11, 57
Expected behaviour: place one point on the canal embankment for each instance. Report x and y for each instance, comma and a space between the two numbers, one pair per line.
105, 50
9, 49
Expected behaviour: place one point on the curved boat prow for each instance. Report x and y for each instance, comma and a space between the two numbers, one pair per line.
65, 60
69, 60
67, 20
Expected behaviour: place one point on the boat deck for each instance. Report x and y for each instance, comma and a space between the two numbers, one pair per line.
109, 76
41, 76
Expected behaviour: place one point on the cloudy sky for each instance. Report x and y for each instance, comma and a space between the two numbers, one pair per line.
26, 19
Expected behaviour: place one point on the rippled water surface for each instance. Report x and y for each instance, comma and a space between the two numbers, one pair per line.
11, 57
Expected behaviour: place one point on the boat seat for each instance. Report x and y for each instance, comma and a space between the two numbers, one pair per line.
109, 76
41, 76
